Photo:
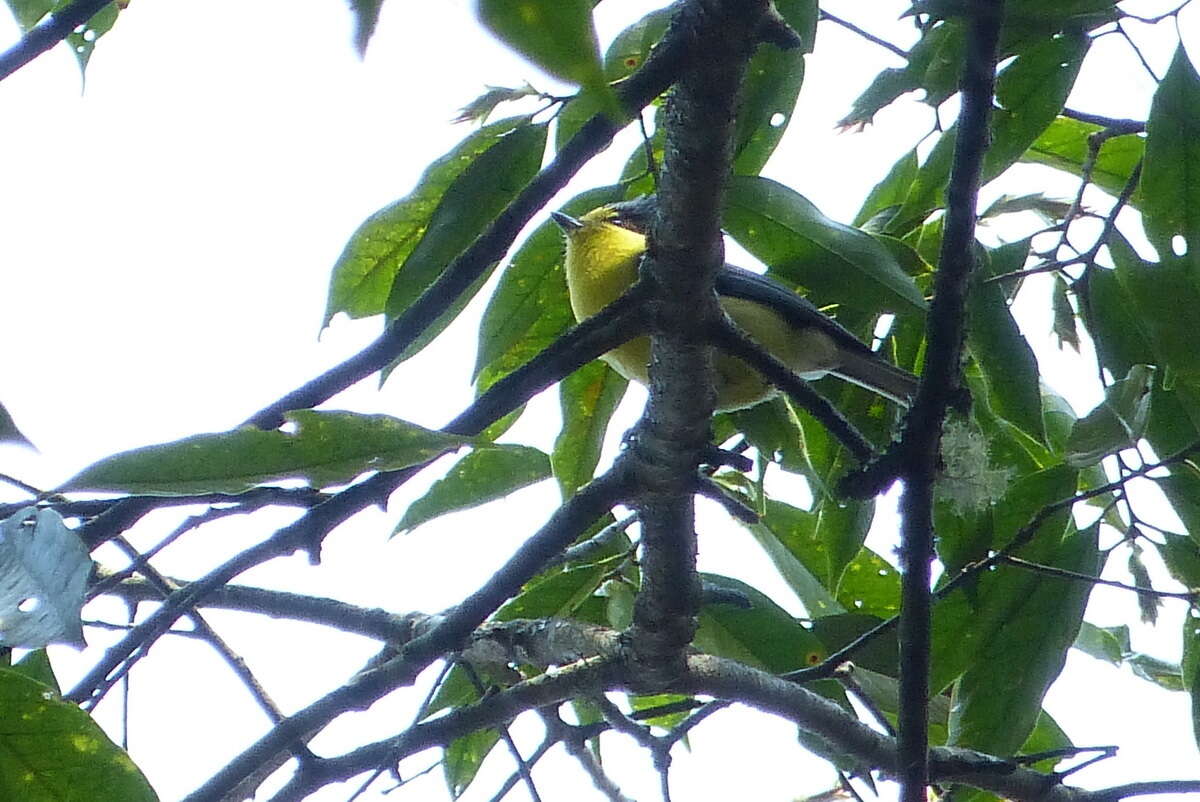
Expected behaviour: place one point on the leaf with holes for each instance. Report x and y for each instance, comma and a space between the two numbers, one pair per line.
1170, 189
44, 569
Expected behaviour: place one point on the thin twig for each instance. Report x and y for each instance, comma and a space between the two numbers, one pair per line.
870, 37
1190, 596
46, 34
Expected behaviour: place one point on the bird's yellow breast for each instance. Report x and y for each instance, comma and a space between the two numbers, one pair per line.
602, 262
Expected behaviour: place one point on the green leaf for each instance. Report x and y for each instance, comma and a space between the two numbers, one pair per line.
587, 398
762, 635
530, 308
627, 52
463, 757
390, 246
559, 594
484, 475
889, 193
82, 40
998, 700
1182, 557
1166, 302
36, 665
787, 535
1190, 666
1170, 189
933, 65
794, 541
1030, 92
802, 246
1111, 318
466, 209
9, 433
968, 617
1110, 644
1004, 356
1118, 422
556, 35
1065, 145
327, 448
768, 98
51, 751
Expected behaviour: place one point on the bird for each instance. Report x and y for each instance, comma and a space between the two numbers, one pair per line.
603, 250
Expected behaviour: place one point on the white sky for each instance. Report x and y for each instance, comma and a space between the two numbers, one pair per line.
166, 239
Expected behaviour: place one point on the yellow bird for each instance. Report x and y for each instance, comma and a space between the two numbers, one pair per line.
604, 248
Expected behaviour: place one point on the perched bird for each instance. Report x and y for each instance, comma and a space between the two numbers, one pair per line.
604, 248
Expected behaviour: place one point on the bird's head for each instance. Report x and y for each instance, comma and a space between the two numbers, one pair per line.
615, 232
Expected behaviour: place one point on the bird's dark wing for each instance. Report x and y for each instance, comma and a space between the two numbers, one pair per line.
797, 310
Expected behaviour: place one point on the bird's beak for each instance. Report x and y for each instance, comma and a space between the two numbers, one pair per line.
566, 222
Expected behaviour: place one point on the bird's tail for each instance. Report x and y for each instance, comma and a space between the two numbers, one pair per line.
876, 374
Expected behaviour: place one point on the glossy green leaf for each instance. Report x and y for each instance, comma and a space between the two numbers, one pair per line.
36, 665
879, 654
888, 194
1182, 489
769, 92
1166, 301
51, 751
327, 448
1029, 92
1111, 319
530, 308
1004, 356
1165, 674
1190, 666
763, 635
587, 398
774, 430
408, 243
793, 539
1110, 644
624, 56
484, 475
1118, 422
1171, 176
998, 700
463, 756
1182, 557
805, 248
970, 616
466, 209
556, 35
787, 535
1065, 145
933, 65
558, 594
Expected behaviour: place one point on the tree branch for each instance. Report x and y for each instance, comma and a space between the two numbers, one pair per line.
46, 34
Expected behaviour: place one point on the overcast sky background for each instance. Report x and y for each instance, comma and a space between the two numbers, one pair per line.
166, 239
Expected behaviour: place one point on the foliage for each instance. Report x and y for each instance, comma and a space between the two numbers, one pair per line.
1019, 546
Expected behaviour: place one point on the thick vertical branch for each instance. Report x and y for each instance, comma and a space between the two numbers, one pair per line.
686, 252
941, 382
